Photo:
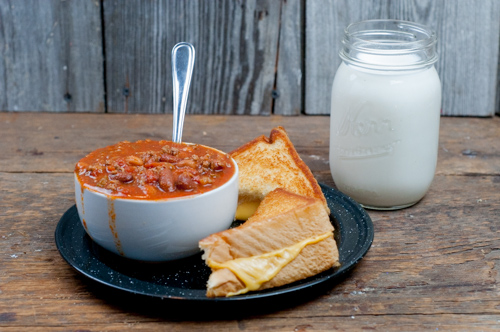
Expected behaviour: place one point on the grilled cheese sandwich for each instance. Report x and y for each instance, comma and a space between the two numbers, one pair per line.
269, 163
289, 238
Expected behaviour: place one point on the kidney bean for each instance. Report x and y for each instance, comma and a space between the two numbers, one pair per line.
122, 177
186, 181
166, 180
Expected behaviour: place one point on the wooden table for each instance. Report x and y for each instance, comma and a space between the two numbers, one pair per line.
434, 266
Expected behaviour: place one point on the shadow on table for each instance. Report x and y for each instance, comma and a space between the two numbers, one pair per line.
179, 310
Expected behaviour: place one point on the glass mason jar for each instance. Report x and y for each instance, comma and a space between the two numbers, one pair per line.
385, 112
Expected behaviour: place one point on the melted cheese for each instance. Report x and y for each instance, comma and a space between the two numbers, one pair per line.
254, 271
246, 209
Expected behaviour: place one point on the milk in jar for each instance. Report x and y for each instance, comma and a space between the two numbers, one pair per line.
385, 111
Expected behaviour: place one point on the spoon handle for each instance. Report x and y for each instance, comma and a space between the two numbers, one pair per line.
182, 69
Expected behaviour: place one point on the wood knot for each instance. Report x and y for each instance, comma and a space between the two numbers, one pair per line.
469, 153
68, 97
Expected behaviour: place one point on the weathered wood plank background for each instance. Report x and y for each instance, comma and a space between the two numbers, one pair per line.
468, 45
51, 56
255, 57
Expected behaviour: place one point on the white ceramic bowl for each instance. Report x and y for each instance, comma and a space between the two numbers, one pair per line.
156, 230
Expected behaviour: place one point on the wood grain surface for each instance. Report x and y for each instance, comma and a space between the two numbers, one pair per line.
254, 57
288, 91
51, 56
434, 266
236, 48
469, 81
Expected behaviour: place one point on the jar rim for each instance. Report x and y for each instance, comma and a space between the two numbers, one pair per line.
388, 40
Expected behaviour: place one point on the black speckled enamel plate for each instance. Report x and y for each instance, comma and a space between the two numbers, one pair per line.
186, 279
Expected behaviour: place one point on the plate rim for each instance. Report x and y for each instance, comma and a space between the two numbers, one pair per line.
322, 278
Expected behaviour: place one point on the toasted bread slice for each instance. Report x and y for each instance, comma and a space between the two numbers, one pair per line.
289, 238
269, 163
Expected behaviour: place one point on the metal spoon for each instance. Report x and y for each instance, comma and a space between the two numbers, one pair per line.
182, 69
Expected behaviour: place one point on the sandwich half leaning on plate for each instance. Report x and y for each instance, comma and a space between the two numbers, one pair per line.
288, 238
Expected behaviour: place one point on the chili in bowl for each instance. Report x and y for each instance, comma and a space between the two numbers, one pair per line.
154, 200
